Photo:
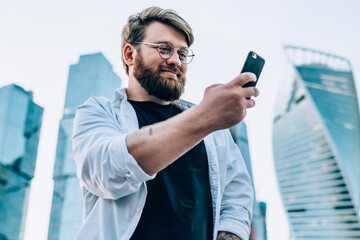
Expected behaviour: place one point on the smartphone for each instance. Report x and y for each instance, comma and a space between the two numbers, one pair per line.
253, 63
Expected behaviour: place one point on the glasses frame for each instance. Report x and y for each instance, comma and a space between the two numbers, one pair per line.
190, 55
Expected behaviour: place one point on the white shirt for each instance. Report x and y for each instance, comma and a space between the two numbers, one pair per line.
114, 185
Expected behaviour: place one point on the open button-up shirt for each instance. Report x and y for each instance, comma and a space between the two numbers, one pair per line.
114, 185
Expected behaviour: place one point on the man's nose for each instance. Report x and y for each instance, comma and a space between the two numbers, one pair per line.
174, 59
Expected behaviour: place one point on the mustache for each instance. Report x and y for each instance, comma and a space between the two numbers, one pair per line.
170, 68
174, 69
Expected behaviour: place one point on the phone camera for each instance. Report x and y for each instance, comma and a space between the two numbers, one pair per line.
254, 55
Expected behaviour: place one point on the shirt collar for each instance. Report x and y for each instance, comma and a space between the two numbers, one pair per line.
120, 95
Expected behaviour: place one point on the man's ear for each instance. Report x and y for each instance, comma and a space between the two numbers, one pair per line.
129, 54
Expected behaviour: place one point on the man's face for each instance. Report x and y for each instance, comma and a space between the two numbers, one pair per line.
152, 78
162, 78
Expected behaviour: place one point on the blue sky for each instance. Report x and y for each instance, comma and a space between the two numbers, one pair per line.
39, 40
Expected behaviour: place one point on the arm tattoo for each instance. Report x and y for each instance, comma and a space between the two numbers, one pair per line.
150, 131
227, 236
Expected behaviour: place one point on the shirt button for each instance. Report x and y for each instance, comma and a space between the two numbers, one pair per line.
138, 209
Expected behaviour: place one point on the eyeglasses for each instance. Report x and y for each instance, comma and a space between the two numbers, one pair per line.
166, 50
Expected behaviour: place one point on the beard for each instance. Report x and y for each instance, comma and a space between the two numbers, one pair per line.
152, 79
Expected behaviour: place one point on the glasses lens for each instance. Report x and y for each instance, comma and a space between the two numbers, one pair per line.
165, 50
183, 54
186, 55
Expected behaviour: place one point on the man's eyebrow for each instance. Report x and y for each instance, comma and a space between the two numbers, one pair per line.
161, 41
158, 42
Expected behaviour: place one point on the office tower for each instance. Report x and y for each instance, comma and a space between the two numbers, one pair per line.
91, 76
20, 123
258, 228
316, 145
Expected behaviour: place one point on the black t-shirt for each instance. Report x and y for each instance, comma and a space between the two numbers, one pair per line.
178, 205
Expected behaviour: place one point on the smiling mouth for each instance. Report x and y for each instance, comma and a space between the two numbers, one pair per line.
169, 72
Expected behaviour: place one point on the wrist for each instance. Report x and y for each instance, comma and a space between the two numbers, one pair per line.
200, 123
204, 118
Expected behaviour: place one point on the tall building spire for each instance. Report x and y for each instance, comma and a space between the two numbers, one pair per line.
91, 76
20, 124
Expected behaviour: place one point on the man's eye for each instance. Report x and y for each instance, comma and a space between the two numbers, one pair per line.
164, 49
183, 54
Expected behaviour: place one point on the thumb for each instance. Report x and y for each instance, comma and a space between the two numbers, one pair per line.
243, 78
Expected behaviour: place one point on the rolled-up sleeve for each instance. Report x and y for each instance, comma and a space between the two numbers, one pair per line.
238, 195
104, 165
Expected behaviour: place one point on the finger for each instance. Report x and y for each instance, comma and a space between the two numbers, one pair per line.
243, 78
250, 92
250, 103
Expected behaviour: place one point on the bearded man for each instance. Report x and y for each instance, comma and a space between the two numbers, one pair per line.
152, 166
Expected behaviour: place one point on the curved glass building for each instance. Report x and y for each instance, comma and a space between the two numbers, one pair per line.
316, 145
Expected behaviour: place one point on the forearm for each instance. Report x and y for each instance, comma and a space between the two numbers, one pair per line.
227, 236
156, 146
223, 106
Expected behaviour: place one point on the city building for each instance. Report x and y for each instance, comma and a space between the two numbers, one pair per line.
91, 76
316, 146
20, 124
258, 228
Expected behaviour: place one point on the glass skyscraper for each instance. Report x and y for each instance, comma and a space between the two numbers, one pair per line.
91, 76
316, 145
20, 124
258, 226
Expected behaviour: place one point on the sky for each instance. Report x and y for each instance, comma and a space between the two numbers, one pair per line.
39, 40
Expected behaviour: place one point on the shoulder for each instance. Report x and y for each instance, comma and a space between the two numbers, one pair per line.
94, 108
103, 102
95, 102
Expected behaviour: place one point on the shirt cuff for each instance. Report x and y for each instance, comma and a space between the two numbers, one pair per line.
125, 164
228, 226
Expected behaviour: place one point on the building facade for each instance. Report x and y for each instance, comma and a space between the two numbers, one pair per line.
258, 228
20, 124
91, 76
316, 146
